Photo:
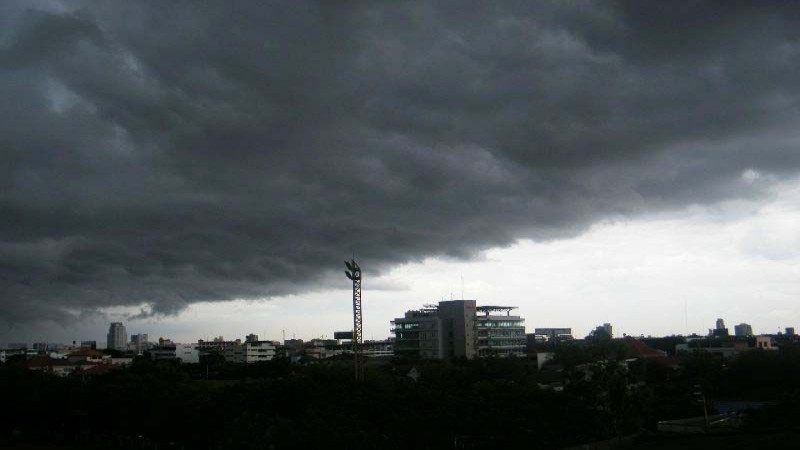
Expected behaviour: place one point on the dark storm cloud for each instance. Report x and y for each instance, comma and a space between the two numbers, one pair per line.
165, 153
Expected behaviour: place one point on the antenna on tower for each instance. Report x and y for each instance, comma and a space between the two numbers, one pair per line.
462, 285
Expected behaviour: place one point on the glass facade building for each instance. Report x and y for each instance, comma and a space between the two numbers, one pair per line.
500, 334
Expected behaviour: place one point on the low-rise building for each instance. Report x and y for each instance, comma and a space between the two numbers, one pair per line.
376, 349
553, 334
218, 343
88, 355
187, 353
58, 367
250, 352
727, 347
765, 343
164, 351
259, 351
322, 348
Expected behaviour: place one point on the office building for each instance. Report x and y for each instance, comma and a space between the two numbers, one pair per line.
743, 330
218, 343
89, 344
165, 350
117, 337
458, 328
250, 352
500, 334
419, 333
789, 331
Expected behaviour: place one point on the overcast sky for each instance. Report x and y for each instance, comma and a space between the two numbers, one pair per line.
196, 168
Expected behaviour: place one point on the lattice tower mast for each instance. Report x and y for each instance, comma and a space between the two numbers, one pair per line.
353, 272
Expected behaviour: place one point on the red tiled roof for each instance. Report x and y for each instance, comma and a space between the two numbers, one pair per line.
643, 350
45, 361
98, 369
84, 352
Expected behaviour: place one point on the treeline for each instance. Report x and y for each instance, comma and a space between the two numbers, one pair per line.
404, 404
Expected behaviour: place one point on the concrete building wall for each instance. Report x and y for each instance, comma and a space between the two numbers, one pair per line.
419, 333
187, 353
459, 328
258, 351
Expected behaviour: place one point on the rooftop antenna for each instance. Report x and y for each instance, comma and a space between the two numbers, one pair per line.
462, 285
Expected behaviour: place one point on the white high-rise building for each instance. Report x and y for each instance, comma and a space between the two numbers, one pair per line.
117, 337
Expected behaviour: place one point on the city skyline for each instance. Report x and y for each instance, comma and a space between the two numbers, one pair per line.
625, 162
409, 285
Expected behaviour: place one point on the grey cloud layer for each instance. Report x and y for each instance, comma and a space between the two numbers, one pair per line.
168, 153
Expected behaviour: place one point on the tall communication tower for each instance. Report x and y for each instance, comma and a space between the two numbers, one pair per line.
353, 272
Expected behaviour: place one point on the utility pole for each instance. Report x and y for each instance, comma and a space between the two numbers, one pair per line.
353, 272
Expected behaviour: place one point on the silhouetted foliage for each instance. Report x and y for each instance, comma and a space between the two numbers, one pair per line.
463, 404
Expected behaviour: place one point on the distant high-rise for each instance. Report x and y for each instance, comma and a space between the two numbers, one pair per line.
719, 330
607, 327
251, 338
743, 329
117, 337
139, 342
790, 331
